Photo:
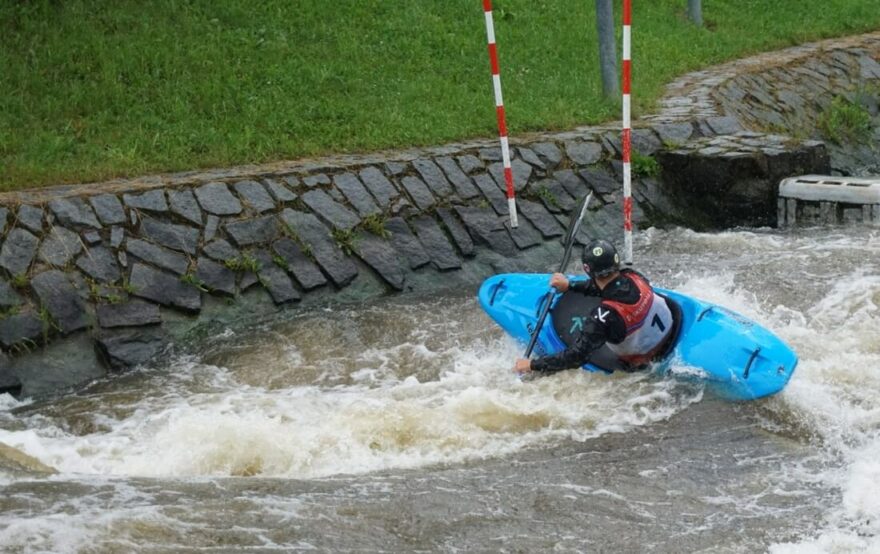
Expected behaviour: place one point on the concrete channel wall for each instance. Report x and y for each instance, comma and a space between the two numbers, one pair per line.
104, 277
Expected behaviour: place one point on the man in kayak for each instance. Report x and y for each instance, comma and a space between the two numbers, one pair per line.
634, 322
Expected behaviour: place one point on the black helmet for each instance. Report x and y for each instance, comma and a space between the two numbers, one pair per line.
600, 258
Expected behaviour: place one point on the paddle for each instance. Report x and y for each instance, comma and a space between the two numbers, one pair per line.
569, 243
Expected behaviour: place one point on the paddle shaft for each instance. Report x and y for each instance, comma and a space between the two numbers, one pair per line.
566, 256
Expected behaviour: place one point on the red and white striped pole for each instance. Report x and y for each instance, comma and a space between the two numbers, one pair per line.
626, 137
499, 110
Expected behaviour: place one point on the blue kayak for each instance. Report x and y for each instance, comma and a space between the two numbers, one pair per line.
737, 358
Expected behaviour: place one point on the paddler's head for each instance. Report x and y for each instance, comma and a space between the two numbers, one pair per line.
601, 261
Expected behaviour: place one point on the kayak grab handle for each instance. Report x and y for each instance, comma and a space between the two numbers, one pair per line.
749, 364
704, 312
495, 290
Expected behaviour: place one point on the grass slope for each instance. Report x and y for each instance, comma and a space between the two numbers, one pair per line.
92, 89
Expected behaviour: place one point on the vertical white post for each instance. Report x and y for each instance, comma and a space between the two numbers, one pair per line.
627, 137
499, 110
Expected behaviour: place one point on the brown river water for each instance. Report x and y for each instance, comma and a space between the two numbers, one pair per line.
398, 426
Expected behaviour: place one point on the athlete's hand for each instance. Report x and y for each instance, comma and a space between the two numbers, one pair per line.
522, 366
559, 282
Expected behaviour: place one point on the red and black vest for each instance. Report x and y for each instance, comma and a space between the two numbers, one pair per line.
648, 324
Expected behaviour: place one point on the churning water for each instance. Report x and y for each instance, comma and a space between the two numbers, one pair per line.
398, 426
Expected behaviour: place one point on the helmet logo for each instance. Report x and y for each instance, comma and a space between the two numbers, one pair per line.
597, 251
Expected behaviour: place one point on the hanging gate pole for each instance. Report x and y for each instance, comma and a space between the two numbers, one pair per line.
499, 110
627, 137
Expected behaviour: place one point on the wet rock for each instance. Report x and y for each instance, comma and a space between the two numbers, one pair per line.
298, 264
248, 280
8, 296
356, 194
600, 181
645, 142
418, 191
433, 177
868, 68
177, 237
673, 134
403, 240
117, 235
73, 212
583, 153
276, 280
403, 208
549, 153
524, 235
435, 243
492, 154
164, 288
330, 211
280, 192
316, 238
157, 255
99, 264
542, 219
4, 216
612, 144
18, 251
211, 226
470, 163
109, 209
255, 195
486, 227
458, 232
520, 170
59, 247
491, 192
30, 217
221, 250
92, 237
379, 186
463, 185
151, 201
217, 278
9, 382
528, 155
215, 198
315, 181
128, 349
379, 255
572, 184
726, 125
259, 230
183, 203
134, 313
59, 298
23, 330
552, 194
396, 168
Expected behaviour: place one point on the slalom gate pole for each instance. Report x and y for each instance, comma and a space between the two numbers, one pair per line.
499, 110
627, 136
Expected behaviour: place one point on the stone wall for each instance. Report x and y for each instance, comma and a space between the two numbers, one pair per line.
103, 277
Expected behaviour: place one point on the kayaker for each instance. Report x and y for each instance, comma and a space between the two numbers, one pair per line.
635, 322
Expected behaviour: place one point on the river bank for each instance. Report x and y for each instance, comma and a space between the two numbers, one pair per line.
103, 277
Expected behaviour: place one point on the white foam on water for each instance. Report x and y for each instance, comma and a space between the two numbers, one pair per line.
391, 414
834, 395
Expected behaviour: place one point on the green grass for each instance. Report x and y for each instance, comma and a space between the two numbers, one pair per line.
845, 121
93, 89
